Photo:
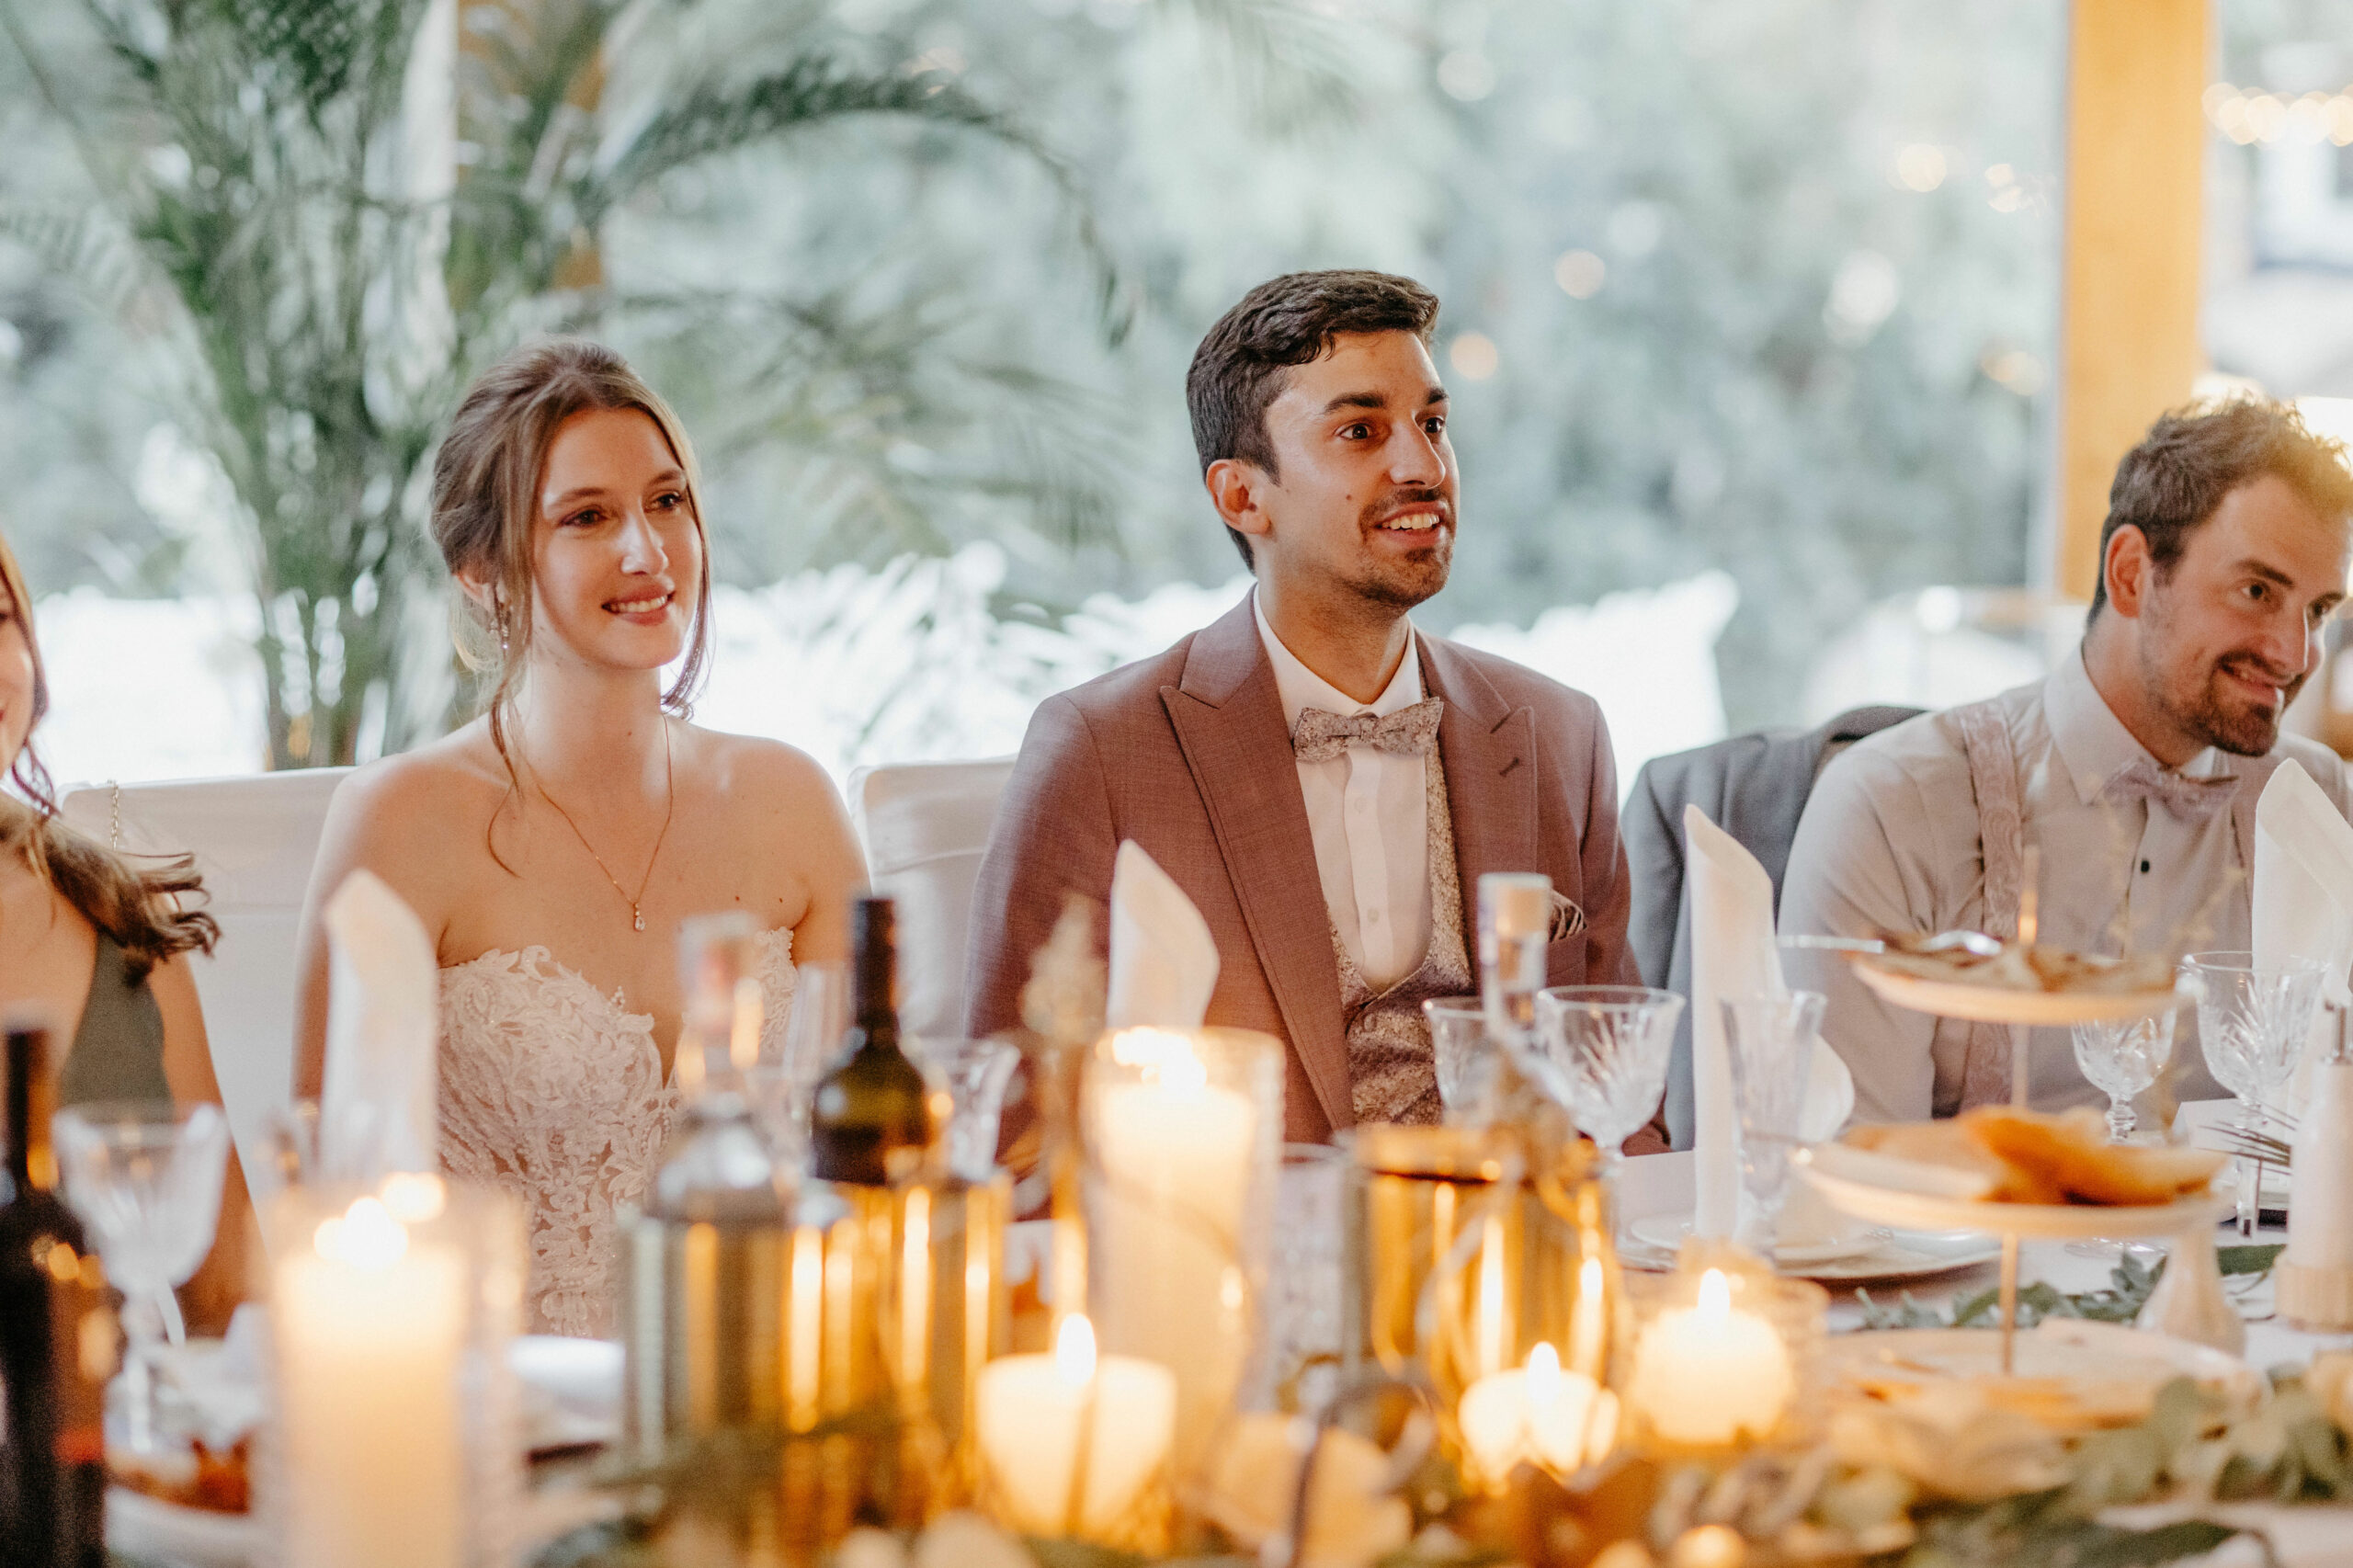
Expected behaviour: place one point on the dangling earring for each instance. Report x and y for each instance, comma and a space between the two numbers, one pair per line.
501, 613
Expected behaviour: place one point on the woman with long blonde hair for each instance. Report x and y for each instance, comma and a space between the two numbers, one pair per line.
552, 846
98, 942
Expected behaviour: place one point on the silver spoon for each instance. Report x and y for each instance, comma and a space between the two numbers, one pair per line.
1977, 942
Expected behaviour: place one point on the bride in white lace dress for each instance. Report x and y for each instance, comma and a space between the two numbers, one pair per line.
552, 846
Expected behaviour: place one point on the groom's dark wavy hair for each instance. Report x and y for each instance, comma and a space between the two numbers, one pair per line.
1241, 365
2192, 457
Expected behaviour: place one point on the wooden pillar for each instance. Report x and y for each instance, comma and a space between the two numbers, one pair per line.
2128, 317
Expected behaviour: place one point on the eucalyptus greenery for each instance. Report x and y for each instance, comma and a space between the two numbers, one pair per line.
2130, 1283
344, 208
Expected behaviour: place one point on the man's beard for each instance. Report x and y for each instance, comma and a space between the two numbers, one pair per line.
1403, 584
2199, 709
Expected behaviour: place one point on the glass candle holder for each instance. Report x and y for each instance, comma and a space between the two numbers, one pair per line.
1495, 1285
1720, 1356
393, 1436
1182, 1132
948, 1315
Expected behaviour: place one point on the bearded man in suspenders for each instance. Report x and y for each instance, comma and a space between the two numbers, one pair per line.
2134, 766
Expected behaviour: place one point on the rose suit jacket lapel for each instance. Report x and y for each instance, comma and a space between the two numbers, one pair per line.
1488, 747
1229, 722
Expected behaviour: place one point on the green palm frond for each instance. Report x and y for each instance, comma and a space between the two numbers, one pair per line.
887, 425
1291, 68
86, 244
810, 89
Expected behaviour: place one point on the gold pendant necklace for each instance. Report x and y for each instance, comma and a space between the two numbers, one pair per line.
670, 804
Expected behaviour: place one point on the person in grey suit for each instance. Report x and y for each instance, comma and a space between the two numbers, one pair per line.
1753, 786
1324, 780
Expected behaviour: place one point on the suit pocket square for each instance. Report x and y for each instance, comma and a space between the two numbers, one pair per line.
1567, 919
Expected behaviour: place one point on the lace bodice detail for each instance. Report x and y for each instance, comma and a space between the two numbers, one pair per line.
554, 1091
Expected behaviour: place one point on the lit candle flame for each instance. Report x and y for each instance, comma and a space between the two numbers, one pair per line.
367, 1236
1543, 1374
1164, 1056
1715, 1297
1074, 1351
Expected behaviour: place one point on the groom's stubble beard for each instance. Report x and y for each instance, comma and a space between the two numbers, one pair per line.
1408, 582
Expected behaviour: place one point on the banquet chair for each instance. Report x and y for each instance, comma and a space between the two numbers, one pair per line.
1755, 788
924, 826
253, 839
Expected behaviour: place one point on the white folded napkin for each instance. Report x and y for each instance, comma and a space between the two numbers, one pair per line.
1735, 953
376, 1112
2302, 895
1164, 960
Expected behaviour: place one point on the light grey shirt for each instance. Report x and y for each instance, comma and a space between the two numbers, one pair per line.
1889, 841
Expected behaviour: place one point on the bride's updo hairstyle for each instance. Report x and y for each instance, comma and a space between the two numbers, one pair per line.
487, 483
149, 911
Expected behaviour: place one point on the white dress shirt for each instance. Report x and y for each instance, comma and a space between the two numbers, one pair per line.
1368, 812
1890, 842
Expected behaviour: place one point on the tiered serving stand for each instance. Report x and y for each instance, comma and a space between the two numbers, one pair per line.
2023, 1011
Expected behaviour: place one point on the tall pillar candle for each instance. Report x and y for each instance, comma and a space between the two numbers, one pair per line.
1184, 1134
370, 1327
2315, 1288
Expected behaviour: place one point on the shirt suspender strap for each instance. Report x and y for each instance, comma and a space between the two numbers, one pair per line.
2001, 831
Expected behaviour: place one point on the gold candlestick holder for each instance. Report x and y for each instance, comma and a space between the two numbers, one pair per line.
1487, 1275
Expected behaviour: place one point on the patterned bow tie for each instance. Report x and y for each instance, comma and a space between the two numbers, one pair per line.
1320, 736
2193, 799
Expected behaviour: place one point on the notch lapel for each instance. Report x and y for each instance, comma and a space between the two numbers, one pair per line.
1489, 750
1229, 722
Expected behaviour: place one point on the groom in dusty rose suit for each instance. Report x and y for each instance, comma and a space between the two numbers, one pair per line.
1324, 780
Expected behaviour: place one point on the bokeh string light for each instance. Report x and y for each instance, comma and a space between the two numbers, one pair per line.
2248, 115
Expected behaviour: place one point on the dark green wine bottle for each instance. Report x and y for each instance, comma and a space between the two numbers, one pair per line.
57, 1339
872, 1116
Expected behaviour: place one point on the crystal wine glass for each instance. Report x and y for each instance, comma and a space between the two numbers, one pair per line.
1466, 1063
977, 1073
1600, 1052
145, 1177
1769, 1041
2122, 1059
2252, 1026
783, 1083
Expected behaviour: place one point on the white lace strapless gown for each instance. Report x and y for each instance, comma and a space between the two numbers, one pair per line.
554, 1091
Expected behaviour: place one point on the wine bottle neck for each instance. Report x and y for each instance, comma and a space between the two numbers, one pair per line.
31, 1161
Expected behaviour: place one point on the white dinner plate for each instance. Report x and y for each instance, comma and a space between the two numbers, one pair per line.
152, 1531
1893, 1256
1666, 1232
2039, 1221
571, 1391
2002, 1004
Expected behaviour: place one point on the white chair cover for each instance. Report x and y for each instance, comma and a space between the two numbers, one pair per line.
253, 839
925, 826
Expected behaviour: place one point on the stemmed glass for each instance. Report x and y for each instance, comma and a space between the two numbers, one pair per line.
2252, 1026
2122, 1059
1769, 1041
1466, 1064
1600, 1052
145, 1178
976, 1073
782, 1085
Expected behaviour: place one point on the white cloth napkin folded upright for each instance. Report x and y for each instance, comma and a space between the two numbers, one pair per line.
1735, 953
2302, 895
376, 1111
1164, 960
